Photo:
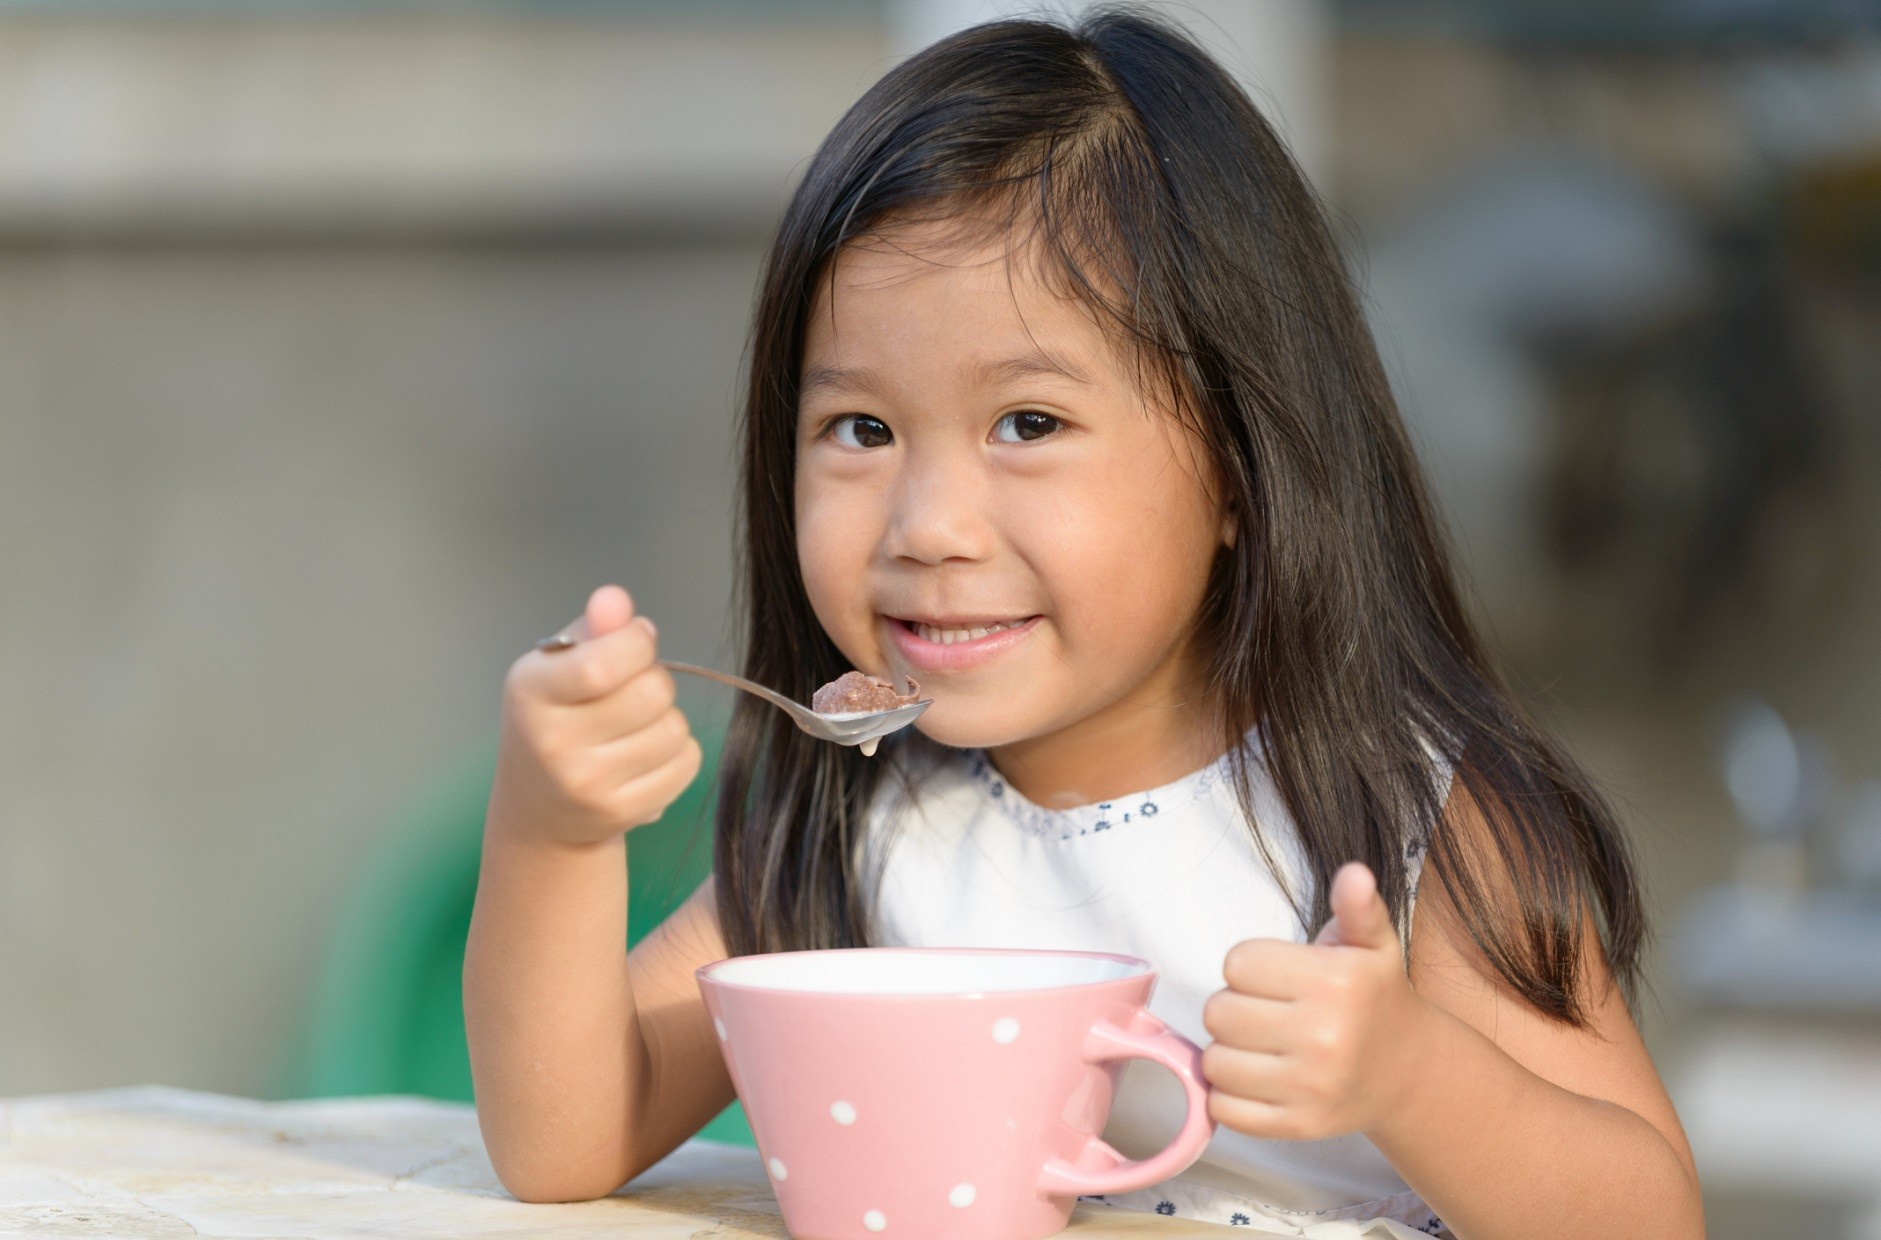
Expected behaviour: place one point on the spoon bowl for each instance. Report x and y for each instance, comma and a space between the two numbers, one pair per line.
864, 728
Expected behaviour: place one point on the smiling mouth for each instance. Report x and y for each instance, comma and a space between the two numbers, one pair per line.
952, 632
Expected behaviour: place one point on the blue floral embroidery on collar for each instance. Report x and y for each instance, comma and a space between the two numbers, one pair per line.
1064, 825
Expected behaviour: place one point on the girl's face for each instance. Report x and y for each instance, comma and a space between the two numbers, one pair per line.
985, 497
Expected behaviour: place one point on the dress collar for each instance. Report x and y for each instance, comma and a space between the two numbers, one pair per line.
1133, 811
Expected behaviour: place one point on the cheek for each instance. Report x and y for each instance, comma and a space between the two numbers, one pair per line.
1127, 559
834, 542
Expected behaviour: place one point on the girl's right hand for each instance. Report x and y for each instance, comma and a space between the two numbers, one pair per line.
591, 744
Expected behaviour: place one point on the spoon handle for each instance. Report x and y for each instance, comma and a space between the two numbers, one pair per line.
737, 682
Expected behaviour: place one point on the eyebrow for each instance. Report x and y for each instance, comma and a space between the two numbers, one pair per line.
1028, 366
836, 379
1009, 370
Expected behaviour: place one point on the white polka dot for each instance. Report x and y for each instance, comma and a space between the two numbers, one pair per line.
720, 1026
842, 1113
962, 1196
875, 1220
778, 1171
1005, 1030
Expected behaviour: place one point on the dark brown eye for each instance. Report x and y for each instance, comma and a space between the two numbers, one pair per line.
859, 430
1026, 426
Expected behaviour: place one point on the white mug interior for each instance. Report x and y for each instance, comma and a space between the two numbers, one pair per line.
886, 971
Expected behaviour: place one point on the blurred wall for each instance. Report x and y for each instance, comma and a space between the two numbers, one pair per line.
339, 357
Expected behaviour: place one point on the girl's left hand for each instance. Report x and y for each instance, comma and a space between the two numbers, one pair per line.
1317, 1039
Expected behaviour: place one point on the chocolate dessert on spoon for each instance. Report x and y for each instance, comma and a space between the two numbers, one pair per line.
858, 695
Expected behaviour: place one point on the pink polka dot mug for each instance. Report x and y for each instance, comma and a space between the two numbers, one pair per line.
933, 1093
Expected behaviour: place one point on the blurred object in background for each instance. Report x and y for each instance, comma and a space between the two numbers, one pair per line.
1477, 276
1778, 783
1708, 466
1623, 262
1857, 839
1782, 1094
1798, 929
1630, 287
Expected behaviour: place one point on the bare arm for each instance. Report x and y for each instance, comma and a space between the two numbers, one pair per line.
1506, 1123
591, 1063
1522, 1126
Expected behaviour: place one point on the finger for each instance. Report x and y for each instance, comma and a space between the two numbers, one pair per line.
609, 608
606, 610
1250, 1116
596, 667
1248, 1023
1270, 968
658, 789
1359, 915
629, 709
1256, 1076
648, 748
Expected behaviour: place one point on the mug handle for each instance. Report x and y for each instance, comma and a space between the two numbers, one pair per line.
1101, 1169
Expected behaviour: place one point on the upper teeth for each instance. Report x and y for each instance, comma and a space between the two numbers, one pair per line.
947, 637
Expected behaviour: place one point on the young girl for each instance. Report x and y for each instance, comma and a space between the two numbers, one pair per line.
1060, 400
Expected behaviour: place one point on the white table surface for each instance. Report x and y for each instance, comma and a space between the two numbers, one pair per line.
159, 1163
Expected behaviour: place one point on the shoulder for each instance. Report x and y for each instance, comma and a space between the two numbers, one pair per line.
1500, 920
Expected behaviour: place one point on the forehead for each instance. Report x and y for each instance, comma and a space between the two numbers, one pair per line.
952, 284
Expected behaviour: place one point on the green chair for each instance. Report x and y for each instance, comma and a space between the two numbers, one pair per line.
387, 1009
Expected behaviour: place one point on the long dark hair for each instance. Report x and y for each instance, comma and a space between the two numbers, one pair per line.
1161, 196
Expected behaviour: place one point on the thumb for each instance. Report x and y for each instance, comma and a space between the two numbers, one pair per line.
1359, 915
609, 608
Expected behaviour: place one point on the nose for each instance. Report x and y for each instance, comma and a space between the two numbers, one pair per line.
940, 510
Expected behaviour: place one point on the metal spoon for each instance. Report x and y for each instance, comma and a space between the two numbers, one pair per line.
865, 728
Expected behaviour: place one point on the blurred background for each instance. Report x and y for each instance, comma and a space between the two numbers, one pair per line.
344, 346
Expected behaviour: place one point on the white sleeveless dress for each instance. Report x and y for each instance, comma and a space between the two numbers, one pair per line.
1171, 875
